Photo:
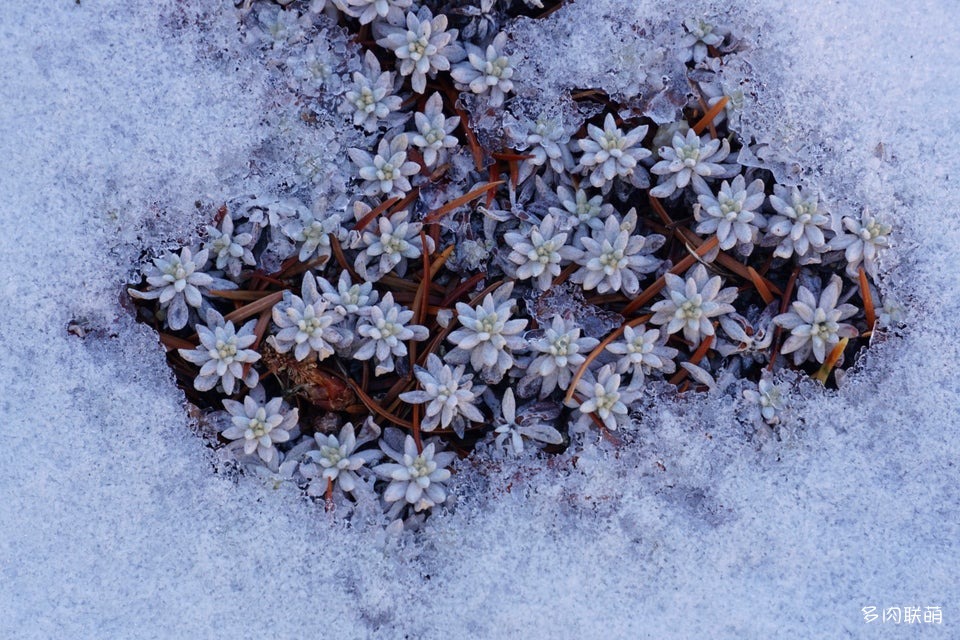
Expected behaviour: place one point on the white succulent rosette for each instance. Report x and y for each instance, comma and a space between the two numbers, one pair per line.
306, 324
508, 427
336, 461
175, 282
614, 258
539, 252
383, 334
423, 45
609, 153
486, 71
690, 160
732, 214
415, 477
370, 98
692, 302
222, 354
260, 424
449, 394
815, 325
488, 335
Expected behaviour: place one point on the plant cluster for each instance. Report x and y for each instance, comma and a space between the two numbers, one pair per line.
515, 291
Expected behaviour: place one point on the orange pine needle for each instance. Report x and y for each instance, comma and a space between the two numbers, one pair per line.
328, 496
784, 303
647, 294
695, 358
462, 288
868, 308
761, 286
243, 296
660, 211
722, 259
712, 113
373, 213
173, 342
372, 405
504, 155
342, 259
456, 203
475, 149
597, 351
420, 299
398, 283
824, 372
407, 200
437, 264
566, 273
259, 330
416, 428
254, 308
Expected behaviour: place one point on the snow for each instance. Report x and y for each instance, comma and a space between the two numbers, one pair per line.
117, 118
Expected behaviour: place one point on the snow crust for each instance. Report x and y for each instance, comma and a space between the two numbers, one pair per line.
118, 115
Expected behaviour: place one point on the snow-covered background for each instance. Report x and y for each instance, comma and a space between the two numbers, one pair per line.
117, 116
